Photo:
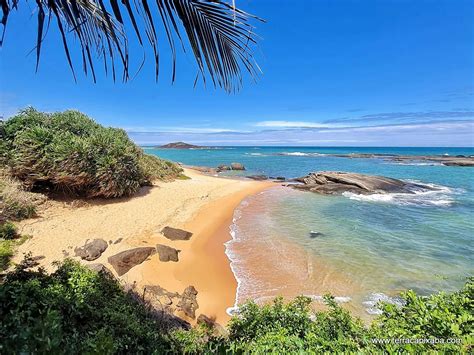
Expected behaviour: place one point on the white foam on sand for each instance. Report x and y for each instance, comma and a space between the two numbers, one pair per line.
372, 301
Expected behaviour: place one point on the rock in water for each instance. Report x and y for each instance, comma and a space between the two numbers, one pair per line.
124, 261
167, 253
331, 183
91, 250
176, 234
237, 166
188, 302
223, 167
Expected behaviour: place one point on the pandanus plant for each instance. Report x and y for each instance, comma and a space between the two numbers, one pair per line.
220, 35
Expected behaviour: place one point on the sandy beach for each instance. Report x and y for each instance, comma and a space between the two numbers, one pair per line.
203, 205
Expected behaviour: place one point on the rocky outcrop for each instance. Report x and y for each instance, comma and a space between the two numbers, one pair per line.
167, 253
173, 302
331, 183
92, 250
237, 166
176, 233
210, 323
258, 177
202, 169
223, 167
124, 261
188, 302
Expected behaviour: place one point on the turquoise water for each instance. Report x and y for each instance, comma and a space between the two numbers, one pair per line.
368, 247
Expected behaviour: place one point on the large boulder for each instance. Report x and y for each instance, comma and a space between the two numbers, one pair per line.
92, 250
167, 253
188, 302
331, 183
176, 233
124, 261
237, 166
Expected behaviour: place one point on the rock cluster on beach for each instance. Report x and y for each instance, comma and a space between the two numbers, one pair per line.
332, 183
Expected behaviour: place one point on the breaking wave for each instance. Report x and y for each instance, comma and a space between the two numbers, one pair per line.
422, 195
372, 301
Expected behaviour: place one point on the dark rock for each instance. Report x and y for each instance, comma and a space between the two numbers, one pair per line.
167, 253
237, 166
280, 178
258, 177
176, 233
211, 324
124, 261
330, 183
313, 234
223, 167
100, 268
188, 302
118, 240
38, 258
91, 250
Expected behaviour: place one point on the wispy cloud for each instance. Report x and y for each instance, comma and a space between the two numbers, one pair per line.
405, 116
291, 124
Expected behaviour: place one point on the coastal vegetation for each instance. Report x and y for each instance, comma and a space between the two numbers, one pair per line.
69, 152
77, 310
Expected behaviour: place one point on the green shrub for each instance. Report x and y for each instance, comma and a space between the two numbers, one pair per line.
70, 152
154, 168
75, 310
7, 230
6, 253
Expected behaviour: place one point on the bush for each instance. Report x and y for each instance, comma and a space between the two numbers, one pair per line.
7, 230
70, 152
6, 253
73, 311
154, 168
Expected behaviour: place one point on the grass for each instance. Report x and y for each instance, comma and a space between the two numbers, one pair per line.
15, 202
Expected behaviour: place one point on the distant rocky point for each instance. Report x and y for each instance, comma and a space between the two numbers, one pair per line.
181, 145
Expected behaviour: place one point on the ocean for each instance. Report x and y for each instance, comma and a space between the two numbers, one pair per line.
362, 249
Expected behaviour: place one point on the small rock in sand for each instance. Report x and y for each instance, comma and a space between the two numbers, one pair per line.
176, 234
91, 250
167, 253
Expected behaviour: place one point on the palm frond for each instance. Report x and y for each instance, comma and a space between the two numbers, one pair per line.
220, 35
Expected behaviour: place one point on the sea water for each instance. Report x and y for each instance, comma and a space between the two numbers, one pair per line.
360, 248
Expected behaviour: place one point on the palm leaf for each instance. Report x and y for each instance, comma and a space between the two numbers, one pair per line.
219, 34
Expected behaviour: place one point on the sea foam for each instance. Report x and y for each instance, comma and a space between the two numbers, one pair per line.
422, 195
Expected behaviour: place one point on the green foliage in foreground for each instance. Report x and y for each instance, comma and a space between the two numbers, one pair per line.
70, 152
7, 230
75, 310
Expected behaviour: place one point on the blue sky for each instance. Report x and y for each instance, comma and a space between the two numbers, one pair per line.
335, 73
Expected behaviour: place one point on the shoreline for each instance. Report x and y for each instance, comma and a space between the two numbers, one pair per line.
203, 205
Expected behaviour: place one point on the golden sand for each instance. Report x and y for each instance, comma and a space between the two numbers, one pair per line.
203, 205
